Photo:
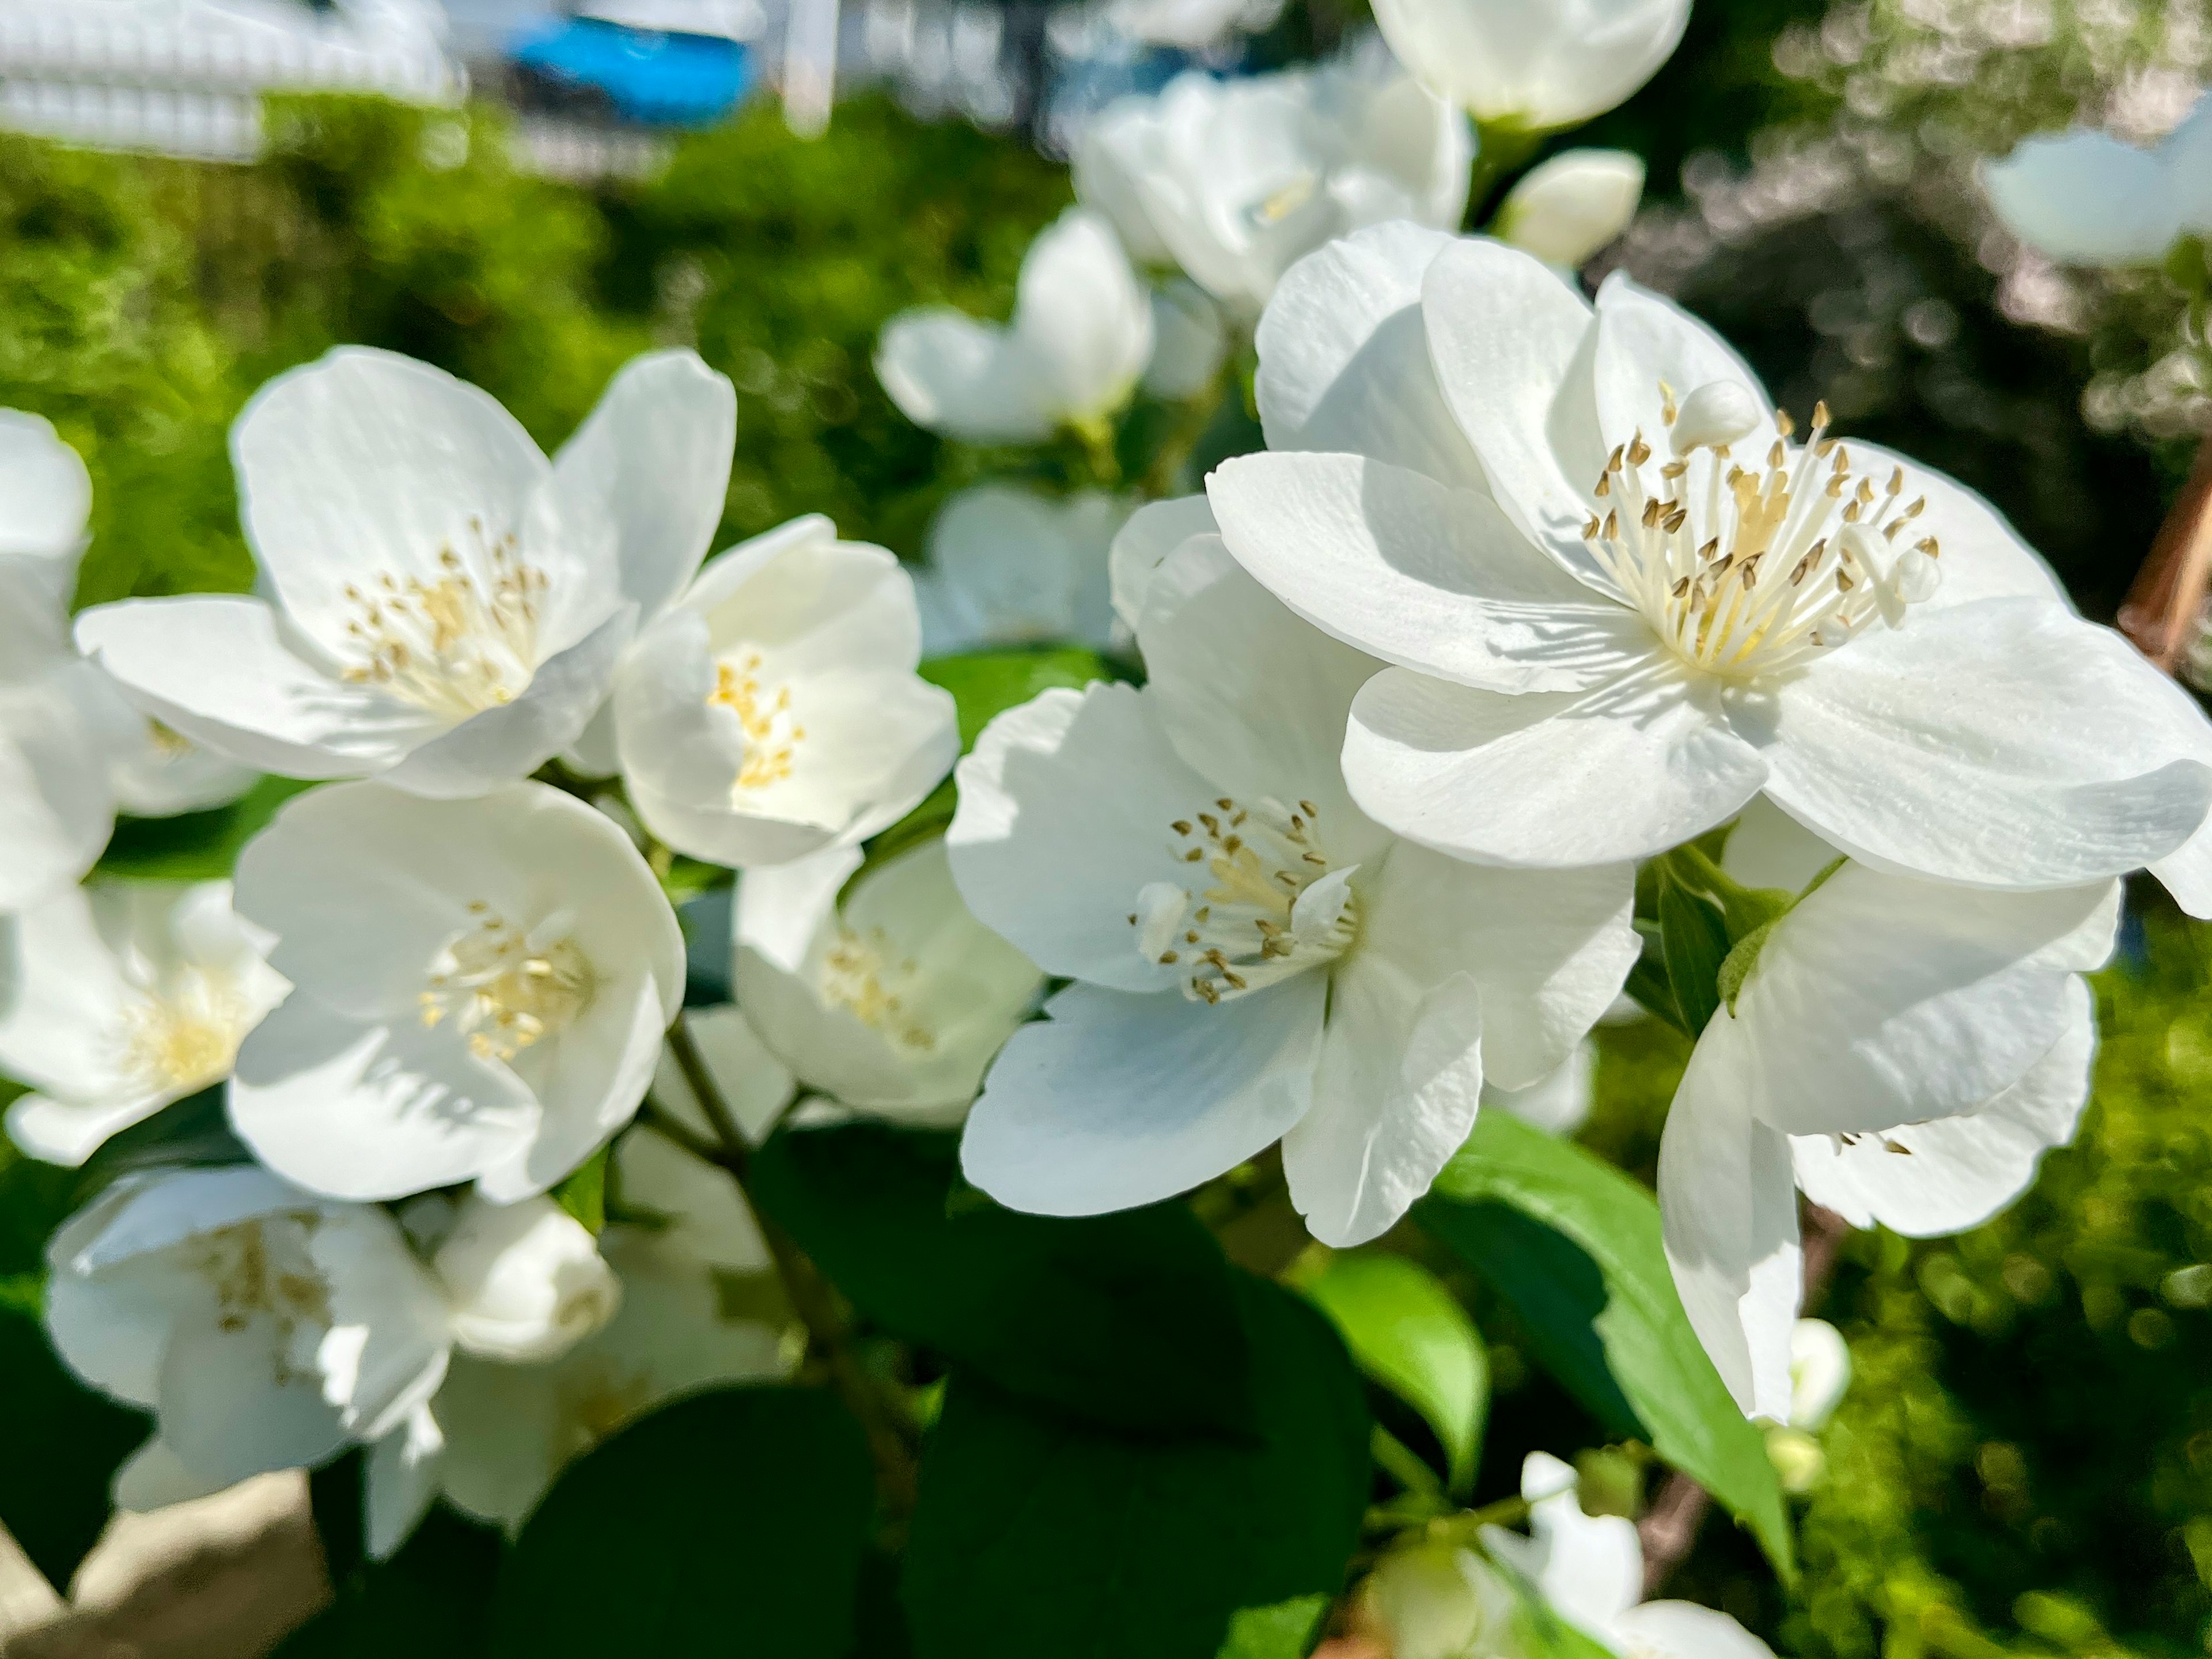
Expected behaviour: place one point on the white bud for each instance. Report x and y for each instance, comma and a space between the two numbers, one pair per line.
525, 1280
1536, 65
1435, 1602
1718, 412
1573, 205
1820, 1371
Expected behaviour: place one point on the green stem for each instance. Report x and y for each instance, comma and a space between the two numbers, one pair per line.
1402, 1464
1503, 152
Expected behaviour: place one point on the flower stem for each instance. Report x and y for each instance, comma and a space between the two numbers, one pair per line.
892, 1439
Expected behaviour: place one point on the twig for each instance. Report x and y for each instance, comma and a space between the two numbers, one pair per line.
2164, 607
1669, 1526
892, 1439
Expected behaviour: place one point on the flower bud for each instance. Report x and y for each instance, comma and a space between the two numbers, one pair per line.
1573, 205
526, 1280
1536, 67
1435, 1602
1718, 413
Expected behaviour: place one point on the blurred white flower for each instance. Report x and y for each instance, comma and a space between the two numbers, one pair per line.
1081, 334
2088, 198
1820, 1371
1568, 208
447, 607
1590, 1569
893, 1000
57, 798
775, 711
525, 1282
155, 771
480, 988
117, 999
1008, 566
1143, 544
1904, 1051
1190, 24
263, 1328
1254, 959
497, 1435
1534, 68
1661, 605
1235, 180
1438, 1602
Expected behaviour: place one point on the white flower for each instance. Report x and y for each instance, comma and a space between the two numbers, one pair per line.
1904, 1051
117, 999
57, 800
1081, 334
1669, 605
1568, 208
262, 1327
1190, 338
480, 988
1820, 1372
1534, 68
1008, 566
1438, 1602
775, 710
1253, 958
1590, 1569
447, 607
155, 771
893, 1001
497, 1435
1235, 180
2087, 198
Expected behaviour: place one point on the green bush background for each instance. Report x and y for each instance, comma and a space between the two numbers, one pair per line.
2024, 1465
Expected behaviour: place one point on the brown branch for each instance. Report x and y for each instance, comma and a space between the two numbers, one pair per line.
2164, 607
1669, 1526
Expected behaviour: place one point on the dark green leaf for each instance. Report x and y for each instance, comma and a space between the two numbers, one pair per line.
195, 846
1406, 1331
1127, 1321
731, 1522
1036, 1536
63, 1443
988, 683
1695, 941
1283, 1630
1601, 1306
195, 1130
431, 1601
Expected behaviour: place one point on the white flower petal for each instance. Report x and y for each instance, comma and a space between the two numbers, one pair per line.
1082, 316
1394, 1095
650, 469
1983, 556
525, 1280
1144, 542
1769, 848
1115, 1100
384, 1353
588, 1080
1558, 1103
1064, 815
1546, 780
1644, 340
56, 801
1569, 207
46, 497
1427, 577
401, 1482
953, 376
227, 1412
1189, 341
1945, 1176
1683, 1629
2006, 743
1344, 357
1534, 67
227, 673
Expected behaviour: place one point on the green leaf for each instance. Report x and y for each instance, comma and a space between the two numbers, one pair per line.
1036, 1536
731, 1522
431, 1601
1592, 1286
1124, 1322
194, 1130
1406, 1332
583, 1194
1694, 939
1285, 1631
987, 683
63, 1443
195, 846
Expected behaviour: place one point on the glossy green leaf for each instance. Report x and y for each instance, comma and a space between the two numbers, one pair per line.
1406, 1331
731, 1522
1125, 1321
1575, 1245
1694, 940
1038, 1536
432, 1600
63, 1441
986, 684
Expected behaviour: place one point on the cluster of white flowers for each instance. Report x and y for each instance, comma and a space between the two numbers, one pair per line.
1523, 592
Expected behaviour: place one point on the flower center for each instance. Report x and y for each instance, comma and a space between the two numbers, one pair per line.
772, 734
261, 1269
456, 645
862, 974
169, 744
184, 1036
1744, 572
506, 988
1276, 907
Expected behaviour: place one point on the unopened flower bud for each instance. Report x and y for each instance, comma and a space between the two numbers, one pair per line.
1435, 1602
1573, 205
526, 1280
